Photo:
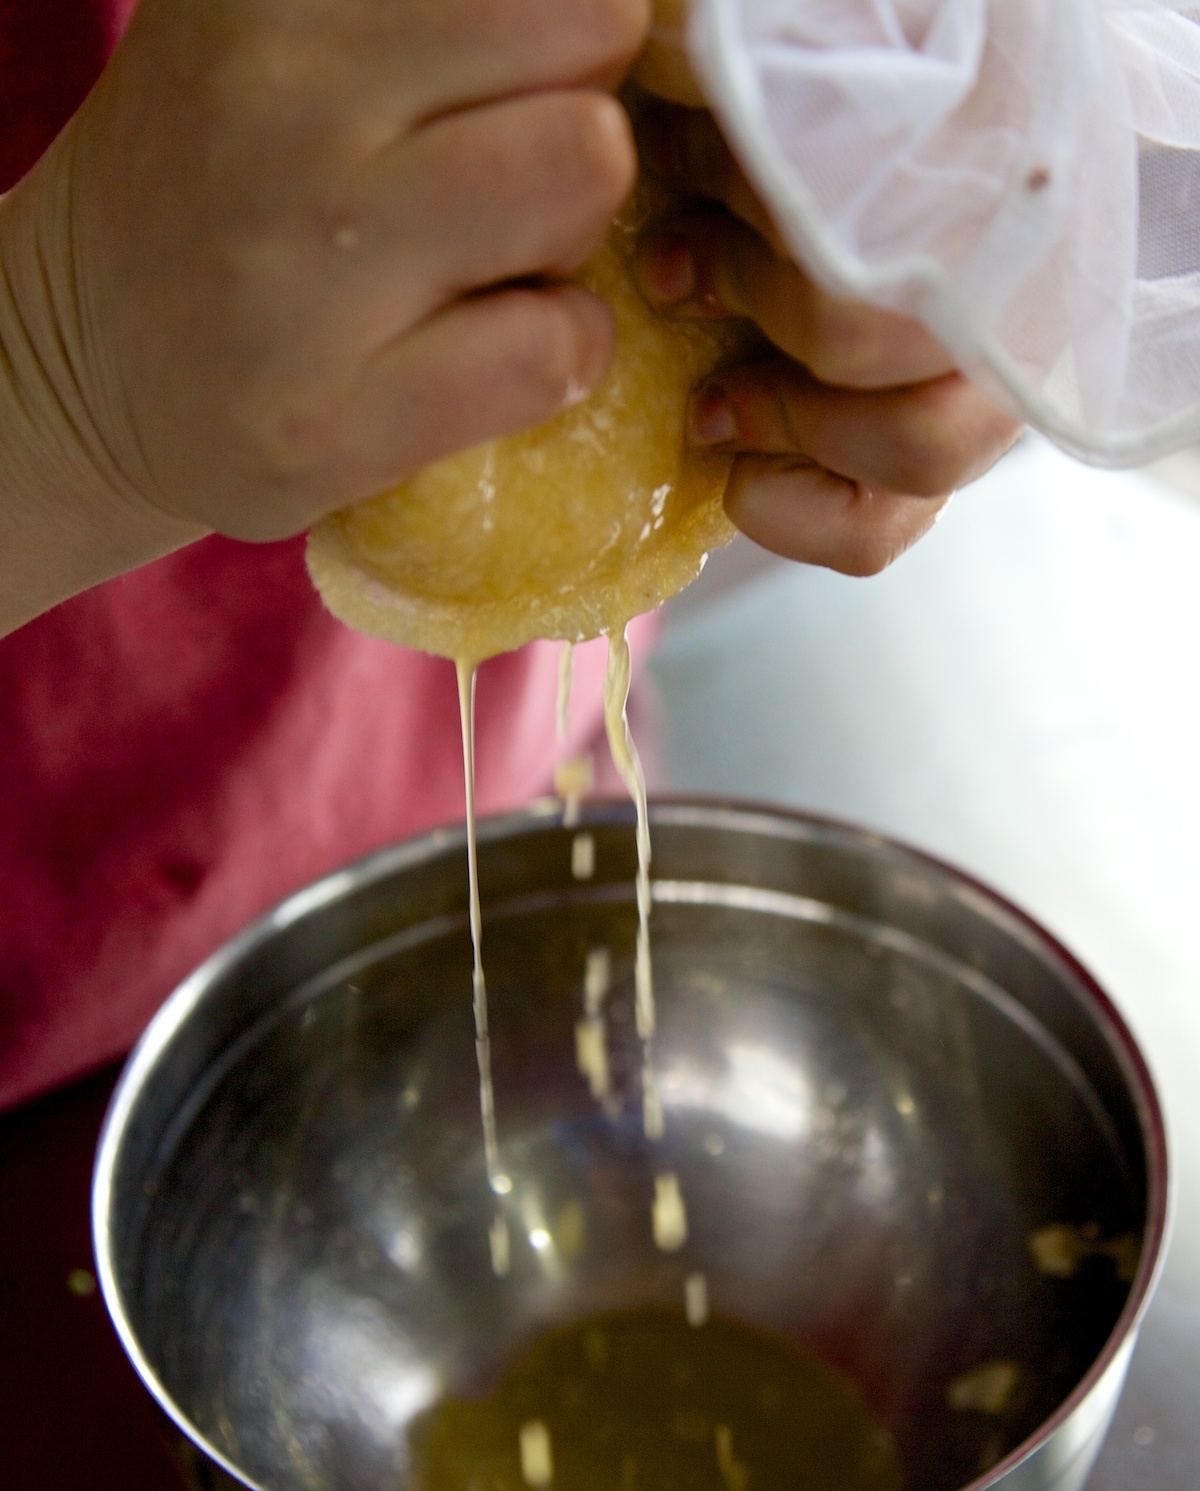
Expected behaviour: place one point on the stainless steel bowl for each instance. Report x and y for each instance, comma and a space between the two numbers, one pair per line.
879, 1081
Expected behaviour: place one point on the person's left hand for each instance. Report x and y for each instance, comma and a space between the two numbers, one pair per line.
852, 438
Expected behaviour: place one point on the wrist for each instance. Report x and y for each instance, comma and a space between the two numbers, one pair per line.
69, 518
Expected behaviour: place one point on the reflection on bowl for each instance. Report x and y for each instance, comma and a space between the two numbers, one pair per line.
911, 1134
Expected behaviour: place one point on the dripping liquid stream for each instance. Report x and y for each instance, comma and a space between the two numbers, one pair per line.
562, 708
483, 1046
629, 768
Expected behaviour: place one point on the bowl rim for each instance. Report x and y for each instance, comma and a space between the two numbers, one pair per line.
747, 814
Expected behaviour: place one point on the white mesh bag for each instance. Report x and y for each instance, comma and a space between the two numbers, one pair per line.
1022, 175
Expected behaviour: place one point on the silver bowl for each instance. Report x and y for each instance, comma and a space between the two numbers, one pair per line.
880, 1083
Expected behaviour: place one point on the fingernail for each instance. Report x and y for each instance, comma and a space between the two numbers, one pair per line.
710, 420
666, 269
593, 336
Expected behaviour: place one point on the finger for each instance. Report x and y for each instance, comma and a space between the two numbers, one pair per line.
377, 68
805, 513
482, 368
662, 66
520, 188
478, 51
706, 264
923, 440
687, 150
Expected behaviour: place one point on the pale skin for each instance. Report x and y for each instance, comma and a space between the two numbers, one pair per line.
289, 251
850, 443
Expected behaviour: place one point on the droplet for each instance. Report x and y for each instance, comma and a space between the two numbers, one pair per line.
695, 1299
670, 1214
597, 977
501, 1247
591, 1054
583, 856
537, 1460
653, 1121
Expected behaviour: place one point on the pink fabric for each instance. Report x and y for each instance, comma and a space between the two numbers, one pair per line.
51, 52
184, 746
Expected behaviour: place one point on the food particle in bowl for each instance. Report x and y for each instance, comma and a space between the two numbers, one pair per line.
733, 1472
695, 1299
591, 1054
597, 977
537, 1461
583, 856
1060, 1250
670, 1214
984, 1389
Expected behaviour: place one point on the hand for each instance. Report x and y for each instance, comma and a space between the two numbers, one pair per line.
289, 251
852, 441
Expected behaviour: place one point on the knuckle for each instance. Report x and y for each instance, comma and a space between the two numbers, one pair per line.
599, 158
272, 65
843, 345
615, 30
934, 451
541, 361
289, 442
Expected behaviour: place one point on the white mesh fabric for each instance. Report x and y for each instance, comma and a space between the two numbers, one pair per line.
1023, 175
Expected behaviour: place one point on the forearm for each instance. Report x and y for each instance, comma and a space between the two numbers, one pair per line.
68, 518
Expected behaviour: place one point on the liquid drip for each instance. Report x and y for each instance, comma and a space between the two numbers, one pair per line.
583, 856
566, 666
537, 1457
591, 1054
695, 1299
669, 1215
499, 1182
640, 1400
573, 780
591, 1033
597, 976
500, 1245
733, 1471
629, 769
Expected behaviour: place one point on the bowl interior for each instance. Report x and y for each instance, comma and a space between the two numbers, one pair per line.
878, 1085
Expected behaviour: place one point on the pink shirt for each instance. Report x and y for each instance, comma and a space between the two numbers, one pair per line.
183, 746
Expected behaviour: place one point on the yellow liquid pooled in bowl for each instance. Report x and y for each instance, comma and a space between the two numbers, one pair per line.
639, 1400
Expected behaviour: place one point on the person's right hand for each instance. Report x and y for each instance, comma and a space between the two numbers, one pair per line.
288, 251
853, 429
